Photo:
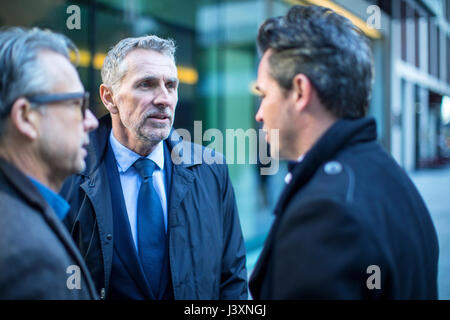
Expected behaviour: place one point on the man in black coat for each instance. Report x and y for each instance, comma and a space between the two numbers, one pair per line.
199, 244
44, 129
349, 224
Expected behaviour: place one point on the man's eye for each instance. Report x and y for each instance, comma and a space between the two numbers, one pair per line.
171, 85
259, 95
77, 102
147, 84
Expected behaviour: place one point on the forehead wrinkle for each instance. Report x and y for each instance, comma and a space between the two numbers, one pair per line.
135, 67
140, 72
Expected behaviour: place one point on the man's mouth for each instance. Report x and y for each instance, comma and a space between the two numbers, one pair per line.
86, 142
85, 145
158, 117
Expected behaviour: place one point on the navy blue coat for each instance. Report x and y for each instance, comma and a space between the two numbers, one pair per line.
349, 207
206, 247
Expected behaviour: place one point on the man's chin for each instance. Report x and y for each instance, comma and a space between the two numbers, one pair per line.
274, 149
83, 166
79, 165
155, 134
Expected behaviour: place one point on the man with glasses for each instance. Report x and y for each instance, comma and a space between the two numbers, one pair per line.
44, 125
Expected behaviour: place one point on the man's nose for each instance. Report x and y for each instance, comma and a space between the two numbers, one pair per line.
162, 97
90, 122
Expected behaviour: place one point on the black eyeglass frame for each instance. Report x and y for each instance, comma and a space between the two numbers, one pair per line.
40, 99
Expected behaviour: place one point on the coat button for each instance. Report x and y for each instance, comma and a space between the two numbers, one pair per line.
332, 167
102, 294
109, 237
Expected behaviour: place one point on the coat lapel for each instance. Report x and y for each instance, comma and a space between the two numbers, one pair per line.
262, 263
26, 188
96, 188
63, 234
182, 180
182, 176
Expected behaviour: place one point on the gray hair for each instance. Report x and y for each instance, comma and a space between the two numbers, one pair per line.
21, 74
328, 49
112, 73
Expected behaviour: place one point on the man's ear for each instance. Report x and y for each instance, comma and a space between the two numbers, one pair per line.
107, 96
25, 119
302, 91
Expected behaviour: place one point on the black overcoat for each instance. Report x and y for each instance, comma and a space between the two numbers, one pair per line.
349, 225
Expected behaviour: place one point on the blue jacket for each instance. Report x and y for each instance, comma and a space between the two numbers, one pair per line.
206, 247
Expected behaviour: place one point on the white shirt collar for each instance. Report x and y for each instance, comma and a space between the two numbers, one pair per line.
126, 158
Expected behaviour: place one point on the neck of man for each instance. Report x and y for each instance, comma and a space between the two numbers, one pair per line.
311, 130
28, 161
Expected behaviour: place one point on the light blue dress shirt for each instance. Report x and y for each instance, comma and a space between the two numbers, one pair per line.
56, 202
131, 180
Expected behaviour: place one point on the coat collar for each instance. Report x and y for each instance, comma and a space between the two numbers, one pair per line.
23, 186
342, 134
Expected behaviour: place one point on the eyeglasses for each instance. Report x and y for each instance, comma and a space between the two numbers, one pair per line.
59, 97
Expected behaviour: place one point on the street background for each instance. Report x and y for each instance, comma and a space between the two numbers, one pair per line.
217, 62
434, 185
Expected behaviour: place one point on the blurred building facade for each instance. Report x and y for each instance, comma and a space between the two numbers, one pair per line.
217, 61
412, 77
420, 82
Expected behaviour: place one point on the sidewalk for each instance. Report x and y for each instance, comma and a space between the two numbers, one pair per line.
434, 186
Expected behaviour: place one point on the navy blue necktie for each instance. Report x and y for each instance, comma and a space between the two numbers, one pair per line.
150, 226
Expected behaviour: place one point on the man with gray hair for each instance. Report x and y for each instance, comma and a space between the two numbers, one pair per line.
349, 224
153, 223
44, 125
